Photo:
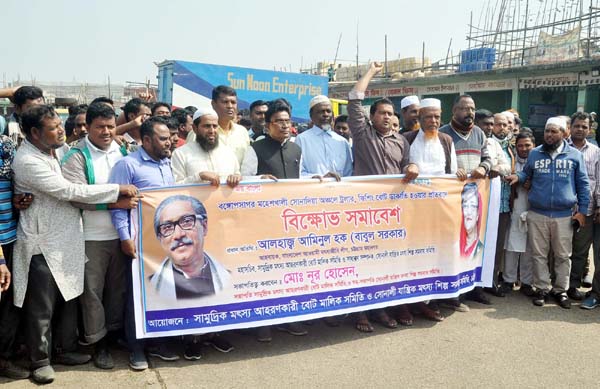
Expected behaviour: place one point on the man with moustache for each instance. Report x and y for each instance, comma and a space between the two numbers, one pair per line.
510, 118
472, 158
181, 225
469, 140
582, 239
323, 150
49, 274
517, 258
433, 153
103, 298
205, 159
23, 97
503, 162
559, 181
377, 150
274, 155
148, 167
258, 128
135, 112
484, 119
409, 109
231, 134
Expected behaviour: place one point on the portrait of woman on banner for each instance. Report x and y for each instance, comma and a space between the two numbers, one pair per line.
470, 247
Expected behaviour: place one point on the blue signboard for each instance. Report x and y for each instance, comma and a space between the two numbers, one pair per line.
193, 84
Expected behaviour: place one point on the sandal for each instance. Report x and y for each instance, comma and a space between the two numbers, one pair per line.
363, 324
380, 316
429, 313
403, 316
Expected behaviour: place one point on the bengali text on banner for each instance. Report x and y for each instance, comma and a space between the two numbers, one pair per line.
213, 259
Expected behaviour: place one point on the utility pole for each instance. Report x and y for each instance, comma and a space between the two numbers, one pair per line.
525, 32
448, 53
337, 50
357, 72
423, 58
385, 61
470, 32
589, 37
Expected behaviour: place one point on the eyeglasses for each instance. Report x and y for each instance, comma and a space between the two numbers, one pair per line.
282, 122
186, 222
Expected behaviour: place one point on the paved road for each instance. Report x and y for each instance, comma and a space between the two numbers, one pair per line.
511, 343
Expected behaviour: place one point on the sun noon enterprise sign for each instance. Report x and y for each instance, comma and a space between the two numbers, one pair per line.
250, 84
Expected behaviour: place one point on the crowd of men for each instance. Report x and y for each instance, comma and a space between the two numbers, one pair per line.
65, 233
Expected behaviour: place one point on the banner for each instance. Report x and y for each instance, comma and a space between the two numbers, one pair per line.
193, 84
558, 48
213, 259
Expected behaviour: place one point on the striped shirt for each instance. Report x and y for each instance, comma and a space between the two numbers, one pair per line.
591, 157
471, 149
8, 222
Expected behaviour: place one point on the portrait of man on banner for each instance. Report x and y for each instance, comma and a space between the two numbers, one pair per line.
187, 271
470, 245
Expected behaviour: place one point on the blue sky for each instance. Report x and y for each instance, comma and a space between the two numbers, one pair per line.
85, 41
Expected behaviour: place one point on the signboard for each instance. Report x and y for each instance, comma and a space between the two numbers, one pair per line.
193, 84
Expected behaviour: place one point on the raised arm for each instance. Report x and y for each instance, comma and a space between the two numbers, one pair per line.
357, 120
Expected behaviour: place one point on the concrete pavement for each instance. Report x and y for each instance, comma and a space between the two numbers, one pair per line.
510, 343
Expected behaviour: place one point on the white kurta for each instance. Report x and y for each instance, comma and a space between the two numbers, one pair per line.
429, 156
516, 239
236, 139
51, 226
190, 159
498, 157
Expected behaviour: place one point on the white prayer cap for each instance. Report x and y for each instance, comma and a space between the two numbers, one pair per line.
318, 100
509, 115
203, 111
431, 103
557, 121
409, 100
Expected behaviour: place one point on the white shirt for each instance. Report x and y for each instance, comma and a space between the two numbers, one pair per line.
558, 150
429, 156
97, 225
250, 163
498, 157
190, 159
62, 151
